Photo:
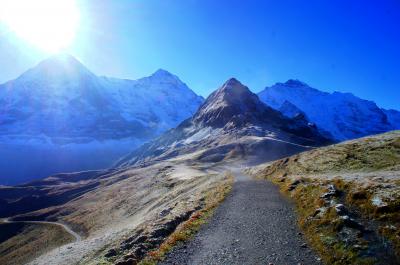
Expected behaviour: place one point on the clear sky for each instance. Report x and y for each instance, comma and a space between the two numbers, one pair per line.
340, 45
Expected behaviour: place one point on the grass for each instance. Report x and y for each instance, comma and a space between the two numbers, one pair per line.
189, 228
374, 154
363, 155
320, 232
387, 217
24, 242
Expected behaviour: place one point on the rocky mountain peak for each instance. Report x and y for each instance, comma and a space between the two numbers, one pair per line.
59, 66
232, 92
164, 76
343, 115
231, 100
294, 83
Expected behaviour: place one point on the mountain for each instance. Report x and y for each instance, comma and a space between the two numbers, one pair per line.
59, 116
232, 122
340, 115
124, 212
393, 117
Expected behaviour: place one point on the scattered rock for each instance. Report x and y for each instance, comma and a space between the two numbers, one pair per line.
165, 212
340, 209
332, 192
319, 211
350, 222
129, 261
111, 253
294, 184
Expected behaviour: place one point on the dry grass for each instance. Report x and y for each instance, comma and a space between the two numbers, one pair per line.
370, 160
188, 229
320, 232
24, 242
363, 155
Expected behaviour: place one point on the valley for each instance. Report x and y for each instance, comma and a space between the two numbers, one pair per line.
199, 132
125, 212
21, 242
186, 197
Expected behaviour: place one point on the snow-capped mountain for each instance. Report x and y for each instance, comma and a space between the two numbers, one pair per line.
62, 112
393, 117
341, 116
231, 122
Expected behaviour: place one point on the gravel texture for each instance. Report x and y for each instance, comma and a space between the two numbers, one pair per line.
254, 225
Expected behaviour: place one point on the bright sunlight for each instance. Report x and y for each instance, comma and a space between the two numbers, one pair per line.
47, 24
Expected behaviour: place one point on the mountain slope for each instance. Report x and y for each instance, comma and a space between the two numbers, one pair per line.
124, 212
341, 115
393, 117
63, 114
61, 98
231, 122
347, 196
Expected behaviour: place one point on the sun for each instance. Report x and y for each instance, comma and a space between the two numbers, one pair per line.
50, 25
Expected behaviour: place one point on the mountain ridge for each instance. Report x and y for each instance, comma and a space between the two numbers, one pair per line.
230, 114
344, 115
59, 110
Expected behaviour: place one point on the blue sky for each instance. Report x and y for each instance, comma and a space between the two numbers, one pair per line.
349, 46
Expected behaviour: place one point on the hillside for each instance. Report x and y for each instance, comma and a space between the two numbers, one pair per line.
344, 115
161, 184
69, 119
231, 124
347, 197
20, 243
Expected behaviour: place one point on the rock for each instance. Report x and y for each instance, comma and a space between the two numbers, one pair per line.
350, 222
163, 231
165, 212
130, 261
340, 209
111, 253
319, 211
294, 184
139, 251
140, 239
332, 192
156, 241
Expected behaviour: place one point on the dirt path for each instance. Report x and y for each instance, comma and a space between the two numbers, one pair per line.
254, 225
65, 227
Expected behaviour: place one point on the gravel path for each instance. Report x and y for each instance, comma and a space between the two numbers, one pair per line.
65, 227
254, 225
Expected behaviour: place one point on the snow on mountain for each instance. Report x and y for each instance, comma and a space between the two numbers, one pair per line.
60, 97
231, 121
290, 110
60, 104
341, 115
393, 117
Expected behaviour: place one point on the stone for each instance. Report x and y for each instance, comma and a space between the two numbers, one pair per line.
332, 192
340, 209
294, 184
111, 253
